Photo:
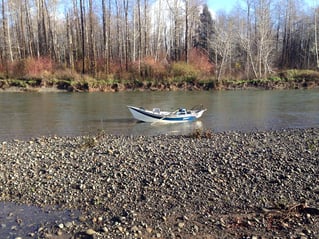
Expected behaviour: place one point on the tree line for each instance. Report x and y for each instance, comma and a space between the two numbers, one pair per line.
103, 37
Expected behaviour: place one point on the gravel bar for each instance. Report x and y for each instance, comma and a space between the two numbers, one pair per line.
207, 185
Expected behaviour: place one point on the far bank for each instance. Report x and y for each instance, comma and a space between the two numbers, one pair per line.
290, 79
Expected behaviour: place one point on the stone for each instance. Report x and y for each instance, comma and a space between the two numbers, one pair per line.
181, 224
90, 232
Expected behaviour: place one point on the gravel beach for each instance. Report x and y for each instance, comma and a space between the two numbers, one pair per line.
206, 185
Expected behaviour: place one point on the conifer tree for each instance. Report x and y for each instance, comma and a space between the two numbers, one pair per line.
205, 31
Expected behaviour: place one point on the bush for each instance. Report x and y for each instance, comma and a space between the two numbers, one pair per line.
18, 83
149, 68
183, 71
32, 67
295, 74
274, 78
200, 61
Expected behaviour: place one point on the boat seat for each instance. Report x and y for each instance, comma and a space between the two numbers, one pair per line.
156, 110
181, 111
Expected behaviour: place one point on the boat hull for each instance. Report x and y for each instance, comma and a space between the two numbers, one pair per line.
163, 117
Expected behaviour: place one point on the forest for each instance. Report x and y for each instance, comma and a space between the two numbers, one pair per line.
99, 43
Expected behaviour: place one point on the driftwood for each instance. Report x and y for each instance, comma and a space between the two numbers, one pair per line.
301, 208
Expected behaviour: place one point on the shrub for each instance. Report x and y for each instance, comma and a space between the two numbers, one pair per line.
183, 71
32, 67
149, 68
18, 83
200, 60
64, 75
274, 78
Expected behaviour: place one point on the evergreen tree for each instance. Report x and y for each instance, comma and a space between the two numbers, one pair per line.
205, 31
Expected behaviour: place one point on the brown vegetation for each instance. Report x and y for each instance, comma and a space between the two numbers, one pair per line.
33, 75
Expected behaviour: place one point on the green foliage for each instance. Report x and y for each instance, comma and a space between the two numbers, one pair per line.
275, 78
205, 29
300, 74
182, 71
17, 83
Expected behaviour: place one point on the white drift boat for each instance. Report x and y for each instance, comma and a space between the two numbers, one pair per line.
156, 115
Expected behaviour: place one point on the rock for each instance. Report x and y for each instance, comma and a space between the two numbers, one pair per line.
181, 224
149, 230
90, 232
134, 229
68, 224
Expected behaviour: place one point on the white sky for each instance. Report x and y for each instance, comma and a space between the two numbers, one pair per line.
227, 5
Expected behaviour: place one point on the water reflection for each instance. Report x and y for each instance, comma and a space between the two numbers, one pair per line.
168, 129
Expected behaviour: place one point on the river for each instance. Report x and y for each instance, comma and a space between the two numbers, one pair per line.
25, 115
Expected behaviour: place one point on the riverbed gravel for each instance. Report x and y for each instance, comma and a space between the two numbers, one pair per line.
205, 185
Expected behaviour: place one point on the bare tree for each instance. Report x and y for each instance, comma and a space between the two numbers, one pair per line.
82, 10
92, 47
8, 55
316, 36
126, 34
69, 51
268, 33
106, 35
222, 45
191, 9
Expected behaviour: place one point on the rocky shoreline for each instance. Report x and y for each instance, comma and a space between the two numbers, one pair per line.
207, 185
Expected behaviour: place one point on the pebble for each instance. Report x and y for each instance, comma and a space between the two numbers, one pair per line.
181, 224
149, 230
90, 232
69, 224
121, 229
133, 184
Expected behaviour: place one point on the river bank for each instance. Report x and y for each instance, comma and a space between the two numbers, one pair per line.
159, 86
204, 185
291, 79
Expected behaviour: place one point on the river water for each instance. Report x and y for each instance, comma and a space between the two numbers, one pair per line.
25, 115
